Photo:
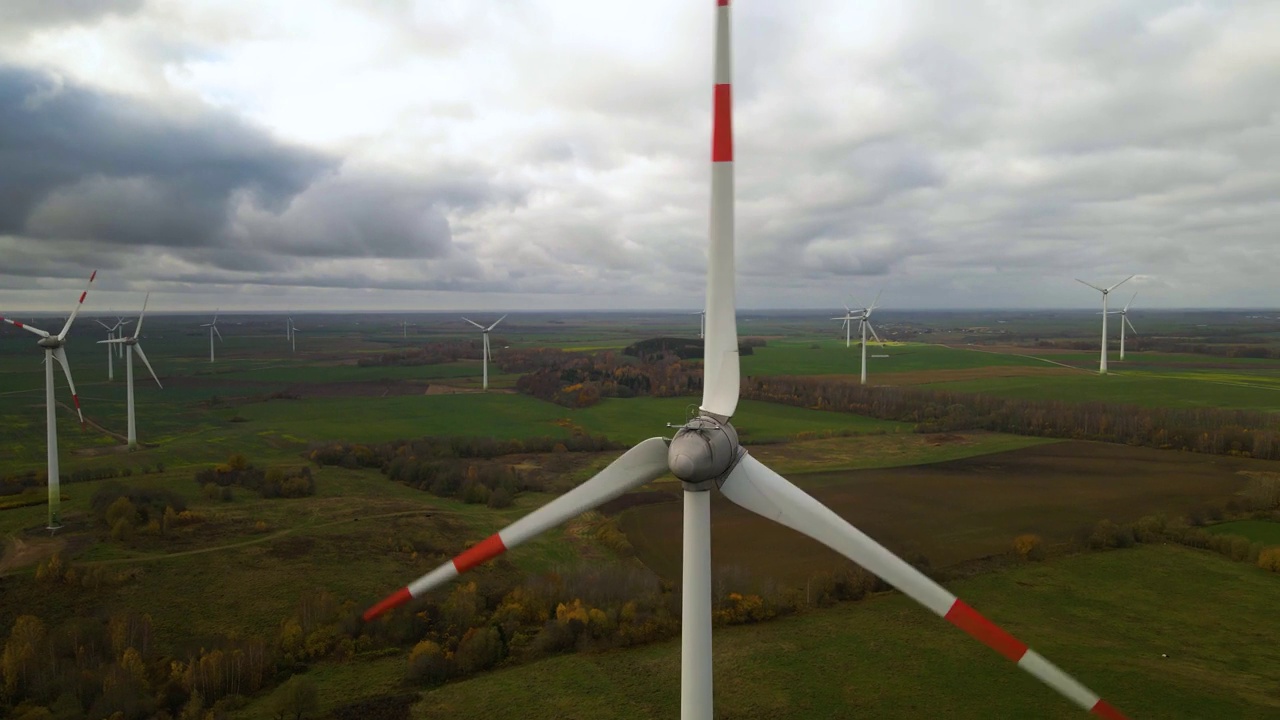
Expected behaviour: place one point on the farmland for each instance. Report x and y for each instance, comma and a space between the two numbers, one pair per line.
953, 499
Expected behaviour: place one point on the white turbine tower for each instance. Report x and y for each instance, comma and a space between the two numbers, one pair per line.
120, 323
1124, 320
288, 330
863, 317
487, 354
1102, 364
213, 328
705, 454
54, 351
702, 324
111, 351
293, 337
131, 345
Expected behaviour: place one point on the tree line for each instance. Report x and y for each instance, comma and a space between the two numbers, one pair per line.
1217, 431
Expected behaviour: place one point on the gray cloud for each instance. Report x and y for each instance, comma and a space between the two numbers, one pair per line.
79, 163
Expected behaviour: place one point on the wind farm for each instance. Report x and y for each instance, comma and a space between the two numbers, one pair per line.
553, 499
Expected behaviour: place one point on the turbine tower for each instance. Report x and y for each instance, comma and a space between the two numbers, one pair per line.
293, 337
1102, 364
213, 328
131, 344
1124, 320
54, 351
702, 324
846, 324
487, 354
705, 454
111, 351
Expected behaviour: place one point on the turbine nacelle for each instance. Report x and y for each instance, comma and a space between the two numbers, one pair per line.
703, 449
53, 342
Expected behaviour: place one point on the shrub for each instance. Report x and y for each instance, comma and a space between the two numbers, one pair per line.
1029, 547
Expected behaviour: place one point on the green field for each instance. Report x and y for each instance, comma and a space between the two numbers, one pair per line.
831, 357
1106, 618
1263, 531
518, 416
1118, 387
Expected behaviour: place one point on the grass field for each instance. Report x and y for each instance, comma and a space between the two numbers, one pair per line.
1106, 618
1263, 531
951, 512
1148, 389
831, 357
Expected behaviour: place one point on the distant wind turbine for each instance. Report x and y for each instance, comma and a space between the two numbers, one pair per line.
1124, 320
863, 317
1102, 364
702, 325
213, 328
293, 336
131, 344
487, 355
111, 351
54, 351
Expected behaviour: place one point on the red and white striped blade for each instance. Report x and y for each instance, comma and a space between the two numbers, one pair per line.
24, 326
79, 304
641, 464
60, 354
720, 358
762, 491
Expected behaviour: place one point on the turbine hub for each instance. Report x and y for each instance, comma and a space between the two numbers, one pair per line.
703, 449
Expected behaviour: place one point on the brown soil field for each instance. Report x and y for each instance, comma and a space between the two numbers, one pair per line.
953, 512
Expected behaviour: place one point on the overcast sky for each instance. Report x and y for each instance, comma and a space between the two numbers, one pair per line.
550, 154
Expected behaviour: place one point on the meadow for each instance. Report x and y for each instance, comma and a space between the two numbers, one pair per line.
955, 499
885, 657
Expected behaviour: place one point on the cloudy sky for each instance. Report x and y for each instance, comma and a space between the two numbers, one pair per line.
551, 154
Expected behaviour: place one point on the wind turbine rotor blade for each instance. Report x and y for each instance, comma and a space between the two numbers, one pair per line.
874, 335
757, 488
109, 328
1126, 305
875, 303
114, 341
79, 304
138, 330
720, 359
1130, 324
143, 356
495, 323
215, 332
1113, 287
60, 354
1095, 287
215, 316
641, 464
474, 323
24, 326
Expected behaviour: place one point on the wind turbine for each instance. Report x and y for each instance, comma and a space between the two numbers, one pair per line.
864, 324
54, 351
120, 323
213, 328
705, 454
1124, 320
288, 330
1102, 364
131, 344
702, 324
111, 351
293, 337
487, 355
404, 329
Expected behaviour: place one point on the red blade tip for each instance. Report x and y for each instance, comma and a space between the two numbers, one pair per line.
93, 275
1103, 709
390, 602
